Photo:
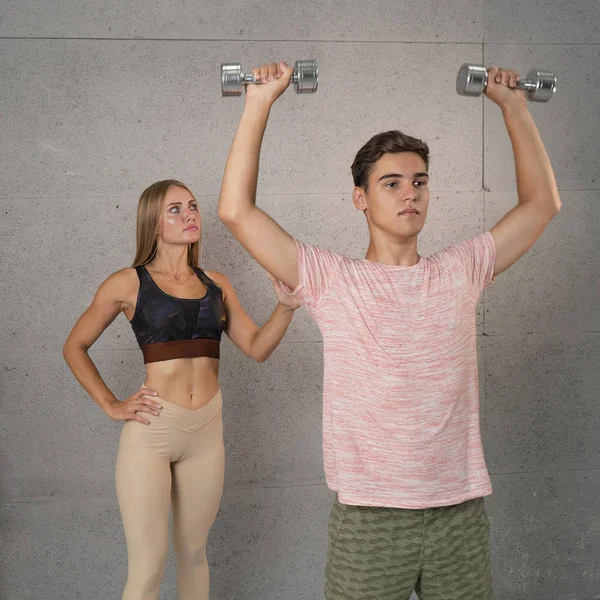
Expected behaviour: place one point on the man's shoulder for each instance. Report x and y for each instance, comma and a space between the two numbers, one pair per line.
320, 251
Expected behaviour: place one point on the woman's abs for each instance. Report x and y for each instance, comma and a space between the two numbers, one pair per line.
187, 382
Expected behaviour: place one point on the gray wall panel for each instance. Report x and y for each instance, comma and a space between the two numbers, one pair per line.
381, 20
545, 416
541, 21
554, 287
545, 535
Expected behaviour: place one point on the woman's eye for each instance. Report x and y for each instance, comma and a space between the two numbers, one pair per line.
194, 207
175, 208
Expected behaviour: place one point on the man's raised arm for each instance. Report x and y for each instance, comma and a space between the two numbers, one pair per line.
539, 201
261, 236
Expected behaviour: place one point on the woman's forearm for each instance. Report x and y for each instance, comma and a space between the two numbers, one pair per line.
87, 374
268, 337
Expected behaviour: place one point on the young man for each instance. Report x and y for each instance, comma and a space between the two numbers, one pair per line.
401, 438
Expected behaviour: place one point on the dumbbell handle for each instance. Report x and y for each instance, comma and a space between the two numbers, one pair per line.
525, 84
251, 79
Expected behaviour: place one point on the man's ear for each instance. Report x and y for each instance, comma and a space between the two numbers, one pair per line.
359, 198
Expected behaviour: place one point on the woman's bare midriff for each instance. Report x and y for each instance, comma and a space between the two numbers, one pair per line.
187, 382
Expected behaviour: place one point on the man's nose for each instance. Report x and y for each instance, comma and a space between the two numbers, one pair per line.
408, 191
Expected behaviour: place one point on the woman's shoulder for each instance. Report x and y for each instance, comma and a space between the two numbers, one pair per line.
121, 282
125, 275
218, 278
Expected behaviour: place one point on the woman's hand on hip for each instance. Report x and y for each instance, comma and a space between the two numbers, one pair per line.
129, 409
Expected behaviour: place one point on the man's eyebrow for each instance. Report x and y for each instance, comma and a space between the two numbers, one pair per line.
400, 176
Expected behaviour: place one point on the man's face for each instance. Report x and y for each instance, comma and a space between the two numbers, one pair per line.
397, 196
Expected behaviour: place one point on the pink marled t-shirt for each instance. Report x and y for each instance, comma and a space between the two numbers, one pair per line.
400, 393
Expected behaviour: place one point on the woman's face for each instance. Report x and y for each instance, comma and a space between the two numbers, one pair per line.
180, 219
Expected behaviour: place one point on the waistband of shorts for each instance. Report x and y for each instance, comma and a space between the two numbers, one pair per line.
186, 419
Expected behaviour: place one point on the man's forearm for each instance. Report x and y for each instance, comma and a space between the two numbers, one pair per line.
238, 191
535, 177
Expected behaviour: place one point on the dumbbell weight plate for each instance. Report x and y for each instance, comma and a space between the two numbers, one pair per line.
231, 79
306, 76
471, 80
546, 85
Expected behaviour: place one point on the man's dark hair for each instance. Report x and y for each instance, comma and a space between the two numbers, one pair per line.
383, 143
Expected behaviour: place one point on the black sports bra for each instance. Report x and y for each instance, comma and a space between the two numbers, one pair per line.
167, 327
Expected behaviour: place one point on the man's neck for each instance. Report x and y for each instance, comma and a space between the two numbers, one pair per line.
401, 253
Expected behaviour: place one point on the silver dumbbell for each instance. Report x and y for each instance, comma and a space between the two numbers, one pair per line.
539, 85
305, 78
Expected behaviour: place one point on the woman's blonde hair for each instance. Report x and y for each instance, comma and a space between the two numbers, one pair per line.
149, 209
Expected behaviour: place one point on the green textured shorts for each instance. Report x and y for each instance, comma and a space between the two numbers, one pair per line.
380, 553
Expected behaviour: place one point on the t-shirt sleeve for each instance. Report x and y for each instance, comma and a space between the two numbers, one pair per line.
476, 258
316, 268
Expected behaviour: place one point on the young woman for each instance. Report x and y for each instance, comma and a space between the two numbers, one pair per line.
171, 444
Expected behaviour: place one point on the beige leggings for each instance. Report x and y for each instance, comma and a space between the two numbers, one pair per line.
178, 457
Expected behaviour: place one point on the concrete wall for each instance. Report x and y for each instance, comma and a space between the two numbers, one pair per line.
99, 99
